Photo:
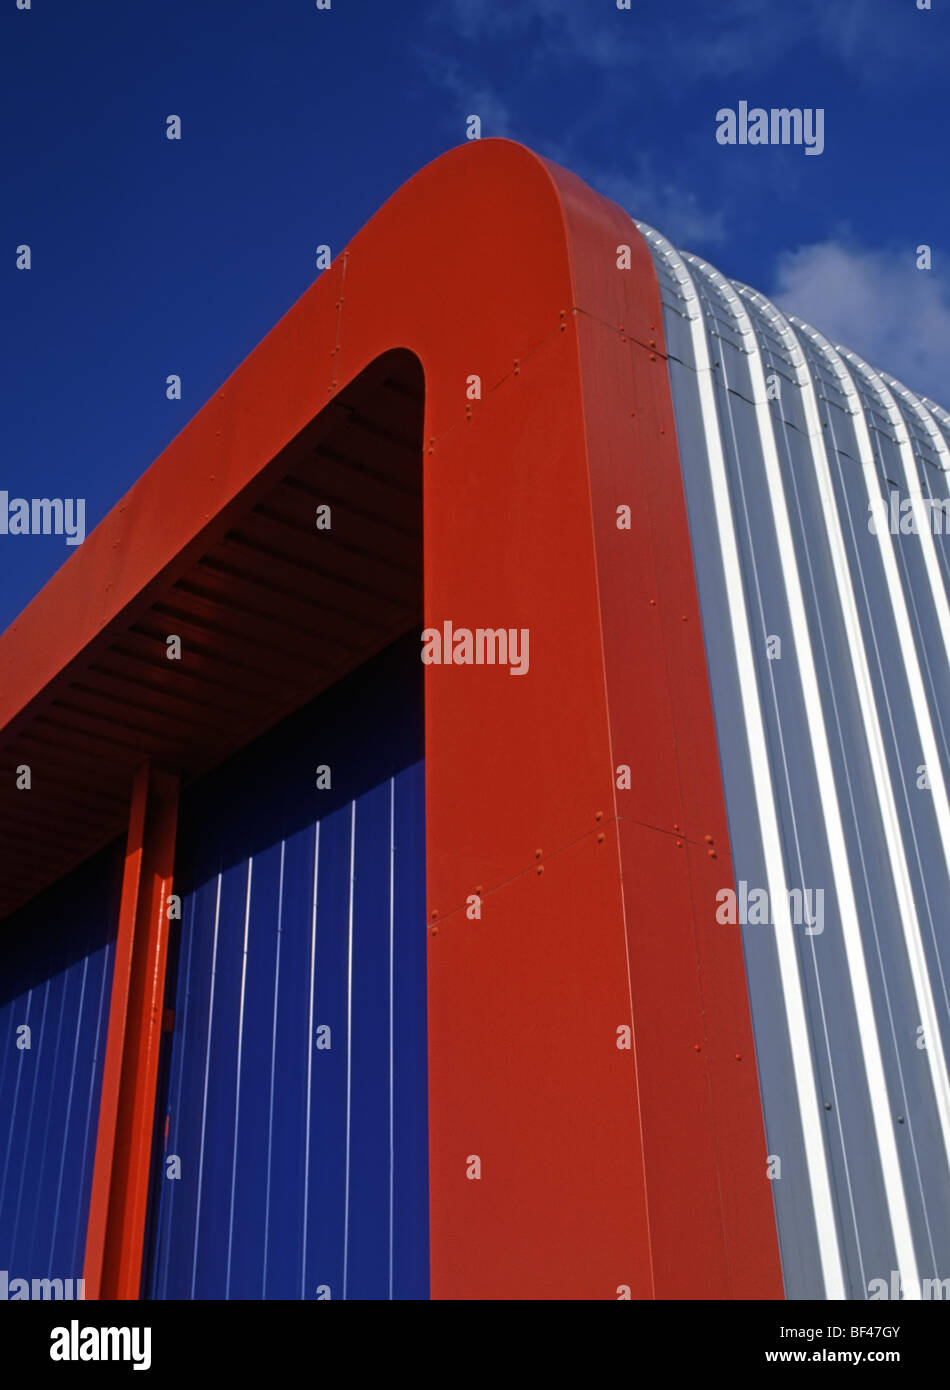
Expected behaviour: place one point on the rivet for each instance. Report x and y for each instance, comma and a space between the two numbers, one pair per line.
652, 356
827, 1104
540, 870
696, 1047
435, 913
711, 853
676, 827
478, 890
709, 839
738, 1057
435, 931
679, 844
600, 838
537, 854
652, 602
900, 1119
599, 815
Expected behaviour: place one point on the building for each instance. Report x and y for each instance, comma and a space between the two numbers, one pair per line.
601, 954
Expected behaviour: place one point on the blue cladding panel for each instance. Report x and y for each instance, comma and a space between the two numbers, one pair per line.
303, 910
56, 958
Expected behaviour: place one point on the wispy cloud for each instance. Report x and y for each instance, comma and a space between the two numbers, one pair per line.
473, 96
877, 41
571, 30
876, 303
668, 205
733, 37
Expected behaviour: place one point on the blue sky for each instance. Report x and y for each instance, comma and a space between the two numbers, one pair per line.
152, 256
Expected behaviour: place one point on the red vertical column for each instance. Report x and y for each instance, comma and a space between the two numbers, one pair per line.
595, 1122
117, 1207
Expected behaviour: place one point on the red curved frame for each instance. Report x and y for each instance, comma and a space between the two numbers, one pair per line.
606, 1171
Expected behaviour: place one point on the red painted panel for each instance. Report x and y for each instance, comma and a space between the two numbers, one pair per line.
744, 1190
515, 763
636, 670
678, 1026
528, 1079
702, 805
710, 1204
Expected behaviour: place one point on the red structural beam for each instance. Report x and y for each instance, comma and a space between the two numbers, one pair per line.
119, 1199
561, 1164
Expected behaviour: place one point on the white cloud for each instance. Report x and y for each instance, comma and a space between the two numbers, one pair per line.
876, 303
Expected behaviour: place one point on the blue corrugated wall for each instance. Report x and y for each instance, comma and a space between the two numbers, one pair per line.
56, 958
303, 1166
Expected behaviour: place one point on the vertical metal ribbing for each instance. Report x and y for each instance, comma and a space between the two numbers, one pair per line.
825, 1224
830, 806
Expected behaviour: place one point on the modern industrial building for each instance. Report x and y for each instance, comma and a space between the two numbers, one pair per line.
474, 816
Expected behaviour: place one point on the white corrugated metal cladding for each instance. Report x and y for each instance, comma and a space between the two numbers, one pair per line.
817, 491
